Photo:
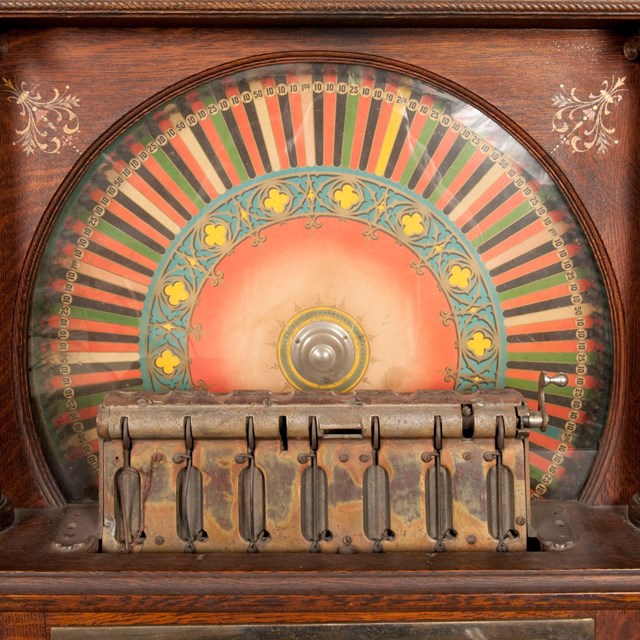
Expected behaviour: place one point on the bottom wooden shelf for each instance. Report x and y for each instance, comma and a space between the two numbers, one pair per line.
43, 587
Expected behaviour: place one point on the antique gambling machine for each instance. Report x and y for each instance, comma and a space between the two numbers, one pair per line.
319, 319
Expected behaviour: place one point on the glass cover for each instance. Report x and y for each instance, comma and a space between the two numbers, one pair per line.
317, 225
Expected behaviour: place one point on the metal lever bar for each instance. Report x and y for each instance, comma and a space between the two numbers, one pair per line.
189, 495
377, 509
348, 416
439, 498
252, 494
313, 494
500, 497
128, 497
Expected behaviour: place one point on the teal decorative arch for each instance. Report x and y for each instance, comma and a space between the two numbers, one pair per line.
243, 213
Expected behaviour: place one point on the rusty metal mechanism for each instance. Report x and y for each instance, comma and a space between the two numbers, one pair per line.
315, 471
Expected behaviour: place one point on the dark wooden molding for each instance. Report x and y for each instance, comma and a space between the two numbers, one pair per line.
592, 7
366, 12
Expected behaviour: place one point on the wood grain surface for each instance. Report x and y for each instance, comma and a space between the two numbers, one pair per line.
515, 72
22, 626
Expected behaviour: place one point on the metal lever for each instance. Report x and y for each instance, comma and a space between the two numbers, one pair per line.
438, 493
377, 508
128, 497
500, 493
251, 504
314, 494
189, 500
540, 419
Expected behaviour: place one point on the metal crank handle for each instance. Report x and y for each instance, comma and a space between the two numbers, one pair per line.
540, 419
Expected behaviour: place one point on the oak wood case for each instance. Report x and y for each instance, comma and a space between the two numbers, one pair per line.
115, 60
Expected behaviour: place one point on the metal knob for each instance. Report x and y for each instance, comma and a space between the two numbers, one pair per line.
540, 419
323, 352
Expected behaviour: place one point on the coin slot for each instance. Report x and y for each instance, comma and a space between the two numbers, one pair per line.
349, 432
468, 425
283, 432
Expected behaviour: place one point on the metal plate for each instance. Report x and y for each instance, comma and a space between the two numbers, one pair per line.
517, 630
283, 495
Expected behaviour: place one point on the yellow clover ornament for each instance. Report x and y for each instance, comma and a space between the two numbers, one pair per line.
412, 224
176, 292
276, 201
479, 343
459, 276
215, 235
346, 197
168, 361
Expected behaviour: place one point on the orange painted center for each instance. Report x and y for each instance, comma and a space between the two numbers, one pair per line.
236, 323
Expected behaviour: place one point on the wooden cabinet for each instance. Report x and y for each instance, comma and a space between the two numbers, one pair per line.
547, 90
